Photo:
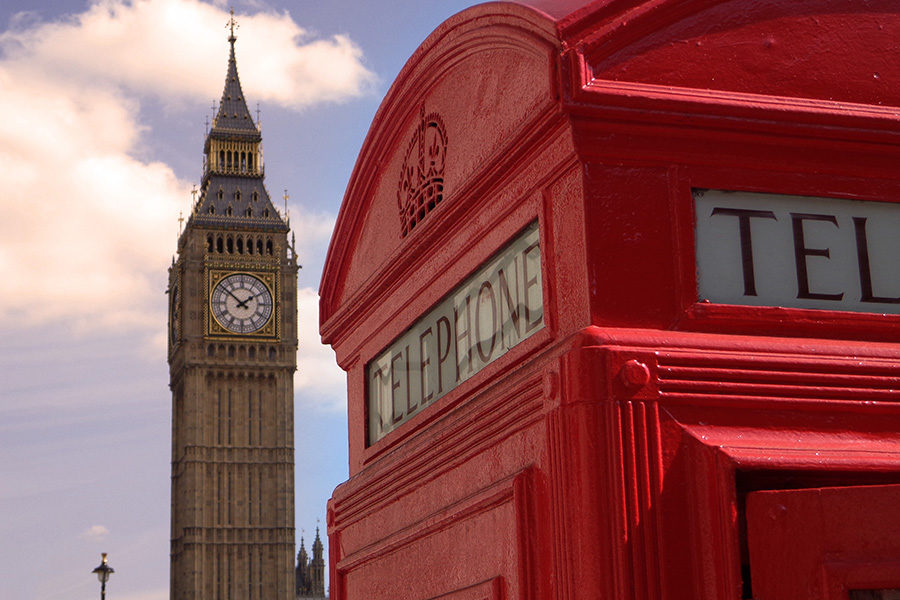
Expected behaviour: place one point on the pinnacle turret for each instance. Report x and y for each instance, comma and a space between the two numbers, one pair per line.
311, 572
302, 556
317, 547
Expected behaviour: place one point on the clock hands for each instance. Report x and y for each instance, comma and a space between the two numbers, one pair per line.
249, 298
242, 303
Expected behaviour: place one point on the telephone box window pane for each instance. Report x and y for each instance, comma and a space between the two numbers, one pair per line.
797, 251
892, 594
499, 306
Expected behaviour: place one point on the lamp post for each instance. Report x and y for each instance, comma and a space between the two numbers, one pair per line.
103, 572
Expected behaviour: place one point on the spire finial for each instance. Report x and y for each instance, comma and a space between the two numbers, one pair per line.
232, 25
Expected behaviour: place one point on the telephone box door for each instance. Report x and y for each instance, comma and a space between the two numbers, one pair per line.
835, 543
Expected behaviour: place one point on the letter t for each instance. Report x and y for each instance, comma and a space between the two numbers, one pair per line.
744, 215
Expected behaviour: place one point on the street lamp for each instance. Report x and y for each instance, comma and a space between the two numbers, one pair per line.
103, 572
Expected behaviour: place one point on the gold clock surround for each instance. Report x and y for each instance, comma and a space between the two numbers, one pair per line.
269, 278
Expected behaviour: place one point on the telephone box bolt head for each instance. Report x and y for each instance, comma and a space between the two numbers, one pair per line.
634, 374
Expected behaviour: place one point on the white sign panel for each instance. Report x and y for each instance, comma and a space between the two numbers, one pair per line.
495, 309
796, 251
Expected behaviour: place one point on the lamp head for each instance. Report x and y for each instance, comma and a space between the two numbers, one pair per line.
104, 570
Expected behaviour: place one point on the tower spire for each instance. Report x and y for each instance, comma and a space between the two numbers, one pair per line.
317, 568
233, 114
232, 190
232, 25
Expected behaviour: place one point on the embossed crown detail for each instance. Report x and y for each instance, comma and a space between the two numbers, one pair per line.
421, 185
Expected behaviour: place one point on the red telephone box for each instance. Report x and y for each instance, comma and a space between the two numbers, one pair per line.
616, 286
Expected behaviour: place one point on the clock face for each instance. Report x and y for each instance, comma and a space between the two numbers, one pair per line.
241, 303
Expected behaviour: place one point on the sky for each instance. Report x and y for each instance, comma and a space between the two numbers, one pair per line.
104, 105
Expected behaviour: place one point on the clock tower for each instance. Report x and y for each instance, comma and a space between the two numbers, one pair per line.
232, 356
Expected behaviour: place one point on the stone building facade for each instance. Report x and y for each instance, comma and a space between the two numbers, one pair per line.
232, 355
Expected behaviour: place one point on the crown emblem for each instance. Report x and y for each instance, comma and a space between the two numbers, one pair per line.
421, 185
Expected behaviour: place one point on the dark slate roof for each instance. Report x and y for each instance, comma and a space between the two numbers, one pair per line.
212, 209
233, 118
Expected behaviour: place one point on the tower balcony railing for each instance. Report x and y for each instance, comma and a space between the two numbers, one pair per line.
232, 170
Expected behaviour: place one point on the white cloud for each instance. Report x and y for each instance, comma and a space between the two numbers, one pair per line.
87, 227
166, 47
319, 382
314, 231
95, 533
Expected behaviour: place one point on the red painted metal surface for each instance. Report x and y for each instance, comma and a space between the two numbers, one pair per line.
824, 542
612, 453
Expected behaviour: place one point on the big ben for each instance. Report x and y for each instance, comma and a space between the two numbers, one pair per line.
232, 356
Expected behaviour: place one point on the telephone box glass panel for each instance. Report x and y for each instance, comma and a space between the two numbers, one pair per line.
496, 308
796, 251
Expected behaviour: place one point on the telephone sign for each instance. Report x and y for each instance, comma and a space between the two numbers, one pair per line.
802, 252
495, 309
